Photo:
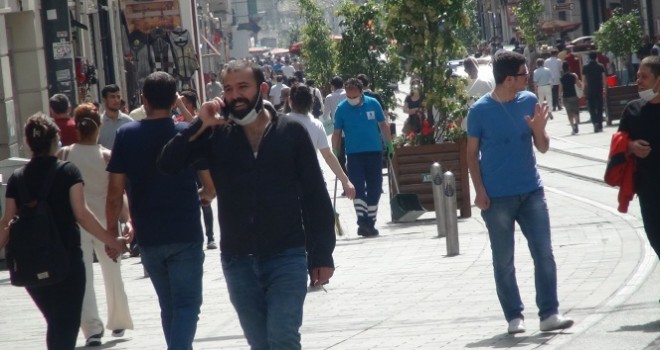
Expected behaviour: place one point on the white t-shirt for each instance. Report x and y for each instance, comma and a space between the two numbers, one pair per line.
314, 128
276, 93
288, 71
554, 65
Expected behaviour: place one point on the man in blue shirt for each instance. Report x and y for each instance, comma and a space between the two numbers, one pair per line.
502, 126
164, 210
361, 119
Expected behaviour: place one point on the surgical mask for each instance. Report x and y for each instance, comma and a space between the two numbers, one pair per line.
354, 101
647, 95
251, 116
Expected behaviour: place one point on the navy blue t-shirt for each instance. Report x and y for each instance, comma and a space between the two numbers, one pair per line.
164, 208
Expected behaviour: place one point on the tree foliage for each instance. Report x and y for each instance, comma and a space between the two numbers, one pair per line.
468, 35
528, 13
317, 50
365, 48
425, 32
621, 34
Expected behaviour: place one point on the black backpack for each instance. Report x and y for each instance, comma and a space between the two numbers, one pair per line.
316, 108
36, 255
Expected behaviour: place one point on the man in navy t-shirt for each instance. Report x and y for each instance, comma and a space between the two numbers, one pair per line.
164, 209
502, 127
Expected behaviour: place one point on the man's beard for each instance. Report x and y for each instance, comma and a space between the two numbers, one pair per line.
240, 114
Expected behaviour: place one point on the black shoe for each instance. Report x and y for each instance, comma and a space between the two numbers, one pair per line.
135, 252
94, 340
366, 231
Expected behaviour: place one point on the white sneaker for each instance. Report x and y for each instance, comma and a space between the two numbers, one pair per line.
517, 325
556, 322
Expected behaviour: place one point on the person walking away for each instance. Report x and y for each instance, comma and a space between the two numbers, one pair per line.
275, 94
553, 63
568, 94
60, 109
542, 80
164, 210
329, 108
91, 159
640, 120
361, 119
59, 303
509, 190
301, 105
112, 117
267, 173
481, 83
317, 105
595, 83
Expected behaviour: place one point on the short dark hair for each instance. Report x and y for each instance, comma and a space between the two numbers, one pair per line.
59, 103
87, 119
653, 62
470, 63
337, 82
112, 88
310, 82
565, 67
239, 65
593, 55
364, 79
190, 96
40, 131
507, 63
353, 82
301, 98
159, 90
539, 62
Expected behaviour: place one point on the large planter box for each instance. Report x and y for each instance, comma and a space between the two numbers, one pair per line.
617, 99
412, 166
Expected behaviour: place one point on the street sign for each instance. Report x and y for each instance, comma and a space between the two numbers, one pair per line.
564, 7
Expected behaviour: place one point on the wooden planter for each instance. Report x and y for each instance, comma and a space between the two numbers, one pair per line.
412, 166
617, 99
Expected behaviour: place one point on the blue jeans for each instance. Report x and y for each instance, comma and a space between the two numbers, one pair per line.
176, 272
268, 295
530, 210
365, 170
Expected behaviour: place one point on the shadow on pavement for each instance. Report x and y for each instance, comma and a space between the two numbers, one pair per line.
224, 337
651, 327
505, 340
106, 345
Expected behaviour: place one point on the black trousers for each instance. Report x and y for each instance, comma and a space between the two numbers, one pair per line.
61, 305
207, 212
650, 205
342, 154
595, 105
555, 97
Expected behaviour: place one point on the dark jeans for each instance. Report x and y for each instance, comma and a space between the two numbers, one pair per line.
61, 305
555, 97
595, 105
207, 212
268, 294
365, 172
650, 205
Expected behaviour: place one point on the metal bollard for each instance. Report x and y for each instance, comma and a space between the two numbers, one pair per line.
438, 198
451, 221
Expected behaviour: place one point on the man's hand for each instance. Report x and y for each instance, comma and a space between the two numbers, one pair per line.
206, 196
390, 149
321, 275
349, 189
128, 231
117, 248
209, 116
640, 148
481, 200
540, 119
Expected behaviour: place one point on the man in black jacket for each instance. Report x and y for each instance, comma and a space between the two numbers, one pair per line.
266, 173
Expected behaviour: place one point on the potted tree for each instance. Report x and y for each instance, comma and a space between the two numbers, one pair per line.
424, 33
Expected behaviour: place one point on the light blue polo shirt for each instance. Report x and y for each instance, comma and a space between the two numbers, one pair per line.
508, 162
360, 125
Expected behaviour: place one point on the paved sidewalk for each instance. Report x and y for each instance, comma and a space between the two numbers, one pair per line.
400, 290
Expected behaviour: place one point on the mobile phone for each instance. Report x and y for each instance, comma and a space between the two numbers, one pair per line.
224, 112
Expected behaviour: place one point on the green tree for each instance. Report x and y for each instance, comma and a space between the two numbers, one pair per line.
317, 50
528, 13
365, 48
425, 32
468, 35
621, 34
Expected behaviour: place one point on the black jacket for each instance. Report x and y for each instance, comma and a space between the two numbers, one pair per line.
261, 200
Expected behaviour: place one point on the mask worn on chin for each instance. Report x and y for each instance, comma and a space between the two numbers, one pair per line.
251, 116
354, 101
647, 95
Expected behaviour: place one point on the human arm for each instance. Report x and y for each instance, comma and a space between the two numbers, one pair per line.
604, 76
537, 123
334, 165
207, 191
91, 223
336, 141
114, 201
7, 216
385, 131
481, 199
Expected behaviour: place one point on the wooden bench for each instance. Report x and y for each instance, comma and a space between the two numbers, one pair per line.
617, 99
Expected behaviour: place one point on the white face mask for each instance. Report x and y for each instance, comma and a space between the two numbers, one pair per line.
647, 95
354, 101
252, 115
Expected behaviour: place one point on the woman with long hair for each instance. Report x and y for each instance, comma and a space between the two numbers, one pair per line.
91, 159
60, 303
569, 82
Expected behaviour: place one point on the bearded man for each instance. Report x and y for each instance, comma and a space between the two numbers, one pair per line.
266, 174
